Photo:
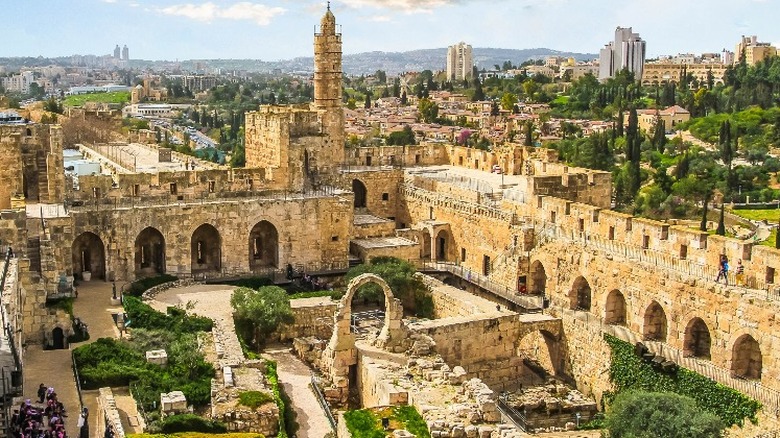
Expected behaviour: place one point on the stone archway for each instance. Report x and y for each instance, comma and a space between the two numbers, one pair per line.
615, 309
538, 279
206, 249
580, 295
443, 244
341, 353
542, 356
655, 325
361, 193
746, 358
149, 252
88, 256
263, 246
697, 342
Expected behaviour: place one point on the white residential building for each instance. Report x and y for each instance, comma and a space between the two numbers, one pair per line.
627, 51
460, 62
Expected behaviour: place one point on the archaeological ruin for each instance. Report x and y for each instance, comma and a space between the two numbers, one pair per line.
528, 269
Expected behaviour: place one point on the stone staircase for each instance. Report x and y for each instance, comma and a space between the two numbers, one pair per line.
43, 178
34, 253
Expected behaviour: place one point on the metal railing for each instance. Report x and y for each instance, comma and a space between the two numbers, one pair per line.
528, 302
682, 268
77, 377
315, 387
517, 417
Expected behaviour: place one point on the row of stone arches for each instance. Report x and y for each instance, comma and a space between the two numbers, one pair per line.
149, 254
746, 356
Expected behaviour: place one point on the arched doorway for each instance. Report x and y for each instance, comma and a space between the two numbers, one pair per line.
443, 244
615, 311
88, 255
149, 253
58, 340
580, 295
540, 353
361, 193
206, 247
655, 323
263, 246
425, 245
697, 342
746, 359
538, 278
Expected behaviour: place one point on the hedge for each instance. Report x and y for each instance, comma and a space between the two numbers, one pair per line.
191, 423
629, 371
142, 315
138, 288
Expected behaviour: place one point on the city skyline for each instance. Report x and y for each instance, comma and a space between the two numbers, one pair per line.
272, 29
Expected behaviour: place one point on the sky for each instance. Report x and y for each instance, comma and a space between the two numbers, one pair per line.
271, 30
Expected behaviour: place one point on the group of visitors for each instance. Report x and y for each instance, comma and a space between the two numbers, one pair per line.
46, 418
313, 283
723, 271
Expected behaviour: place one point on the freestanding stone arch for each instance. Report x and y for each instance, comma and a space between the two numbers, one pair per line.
697, 342
89, 255
538, 279
655, 325
615, 308
206, 247
149, 252
341, 352
580, 295
543, 347
263, 246
746, 358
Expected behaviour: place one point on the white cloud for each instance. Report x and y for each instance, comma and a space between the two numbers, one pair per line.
408, 6
379, 18
207, 12
108, 1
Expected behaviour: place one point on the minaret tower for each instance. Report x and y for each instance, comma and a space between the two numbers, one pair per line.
327, 90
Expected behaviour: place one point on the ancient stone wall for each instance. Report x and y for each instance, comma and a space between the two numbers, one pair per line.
32, 163
310, 231
426, 154
313, 317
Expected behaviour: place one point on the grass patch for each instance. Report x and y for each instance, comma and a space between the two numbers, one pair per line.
142, 315
65, 304
561, 100
367, 423
254, 399
138, 288
119, 97
315, 294
770, 215
771, 241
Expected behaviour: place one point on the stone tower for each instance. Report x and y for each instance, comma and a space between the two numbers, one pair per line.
327, 92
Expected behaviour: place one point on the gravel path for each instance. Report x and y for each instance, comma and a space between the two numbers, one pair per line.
295, 377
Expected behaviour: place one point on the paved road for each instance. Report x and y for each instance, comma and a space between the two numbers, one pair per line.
295, 377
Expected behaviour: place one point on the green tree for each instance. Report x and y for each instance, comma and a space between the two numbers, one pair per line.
428, 110
529, 133
721, 230
401, 138
636, 414
261, 311
508, 101
479, 94
367, 103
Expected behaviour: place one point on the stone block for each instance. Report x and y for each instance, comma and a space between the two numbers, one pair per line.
173, 402
157, 357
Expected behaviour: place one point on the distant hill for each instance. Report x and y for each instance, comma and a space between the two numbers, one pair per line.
429, 59
355, 64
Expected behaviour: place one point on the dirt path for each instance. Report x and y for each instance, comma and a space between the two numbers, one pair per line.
295, 377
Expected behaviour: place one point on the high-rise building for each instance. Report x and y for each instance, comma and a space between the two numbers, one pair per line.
117, 51
125, 53
627, 51
460, 62
753, 51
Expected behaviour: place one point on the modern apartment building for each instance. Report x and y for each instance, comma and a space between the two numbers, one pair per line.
753, 51
460, 62
627, 51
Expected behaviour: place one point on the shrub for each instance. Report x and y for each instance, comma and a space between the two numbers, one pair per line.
191, 423
138, 288
254, 399
142, 315
363, 424
251, 283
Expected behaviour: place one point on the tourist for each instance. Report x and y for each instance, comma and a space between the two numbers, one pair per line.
740, 274
41, 393
83, 424
723, 271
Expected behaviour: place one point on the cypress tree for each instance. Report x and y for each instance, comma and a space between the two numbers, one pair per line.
721, 231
